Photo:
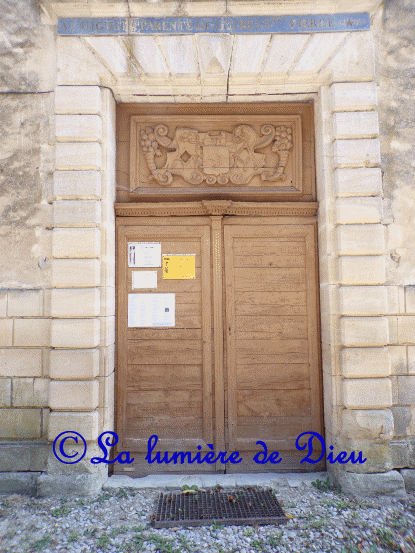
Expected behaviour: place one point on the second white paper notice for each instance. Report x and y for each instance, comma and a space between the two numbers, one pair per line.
151, 310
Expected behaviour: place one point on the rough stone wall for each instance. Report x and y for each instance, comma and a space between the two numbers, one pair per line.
396, 75
27, 82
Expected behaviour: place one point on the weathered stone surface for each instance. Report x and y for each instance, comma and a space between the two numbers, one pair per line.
23, 456
25, 179
77, 485
396, 70
366, 485
27, 54
374, 424
17, 482
408, 476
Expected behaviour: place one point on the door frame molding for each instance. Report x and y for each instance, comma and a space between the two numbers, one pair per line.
216, 207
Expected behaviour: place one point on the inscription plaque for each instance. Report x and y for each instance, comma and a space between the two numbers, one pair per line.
314, 23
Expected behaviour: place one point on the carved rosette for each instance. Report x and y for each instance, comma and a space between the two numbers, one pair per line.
216, 157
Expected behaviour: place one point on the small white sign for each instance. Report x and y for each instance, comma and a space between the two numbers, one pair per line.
144, 279
144, 254
151, 310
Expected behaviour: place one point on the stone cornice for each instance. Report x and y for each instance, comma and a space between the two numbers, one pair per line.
52, 10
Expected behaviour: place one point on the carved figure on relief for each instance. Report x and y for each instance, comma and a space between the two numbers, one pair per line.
217, 157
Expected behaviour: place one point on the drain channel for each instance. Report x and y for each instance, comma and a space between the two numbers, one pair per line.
241, 506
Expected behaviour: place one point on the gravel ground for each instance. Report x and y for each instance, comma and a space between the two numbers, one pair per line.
118, 520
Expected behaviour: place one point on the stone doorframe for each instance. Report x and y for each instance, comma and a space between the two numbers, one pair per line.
336, 73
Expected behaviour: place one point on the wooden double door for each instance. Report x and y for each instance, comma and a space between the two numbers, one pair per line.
241, 363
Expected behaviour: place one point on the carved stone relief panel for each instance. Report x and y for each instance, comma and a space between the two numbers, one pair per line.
228, 152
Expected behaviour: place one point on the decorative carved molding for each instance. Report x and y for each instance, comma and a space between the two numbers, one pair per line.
219, 207
217, 157
212, 152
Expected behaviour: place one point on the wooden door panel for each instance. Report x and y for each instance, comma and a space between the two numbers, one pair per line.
165, 373
183, 385
274, 389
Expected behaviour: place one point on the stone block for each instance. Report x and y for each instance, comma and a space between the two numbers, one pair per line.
25, 303
367, 393
354, 60
77, 184
14, 456
23, 392
75, 333
70, 156
410, 299
20, 362
361, 270
6, 332
248, 53
72, 213
20, 423
75, 302
364, 331
76, 243
149, 56
353, 96
403, 420
5, 392
406, 329
398, 359
411, 359
390, 484
75, 395
408, 476
358, 210
31, 332
41, 392
76, 272
85, 424
112, 53
406, 390
363, 300
355, 124
79, 485
365, 362
180, 54
400, 453
107, 331
356, 152
367, 424
360, 181
74, 364
3, 303
283, 52
78, 100
16, 482
360, 239
78, 128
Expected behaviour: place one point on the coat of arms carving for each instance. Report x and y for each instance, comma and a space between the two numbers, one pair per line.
216, 157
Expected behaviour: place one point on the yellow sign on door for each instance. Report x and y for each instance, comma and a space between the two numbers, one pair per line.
179, 267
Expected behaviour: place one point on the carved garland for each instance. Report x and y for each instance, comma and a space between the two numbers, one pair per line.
217, 157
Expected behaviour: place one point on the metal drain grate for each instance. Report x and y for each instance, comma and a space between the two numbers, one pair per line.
232, 507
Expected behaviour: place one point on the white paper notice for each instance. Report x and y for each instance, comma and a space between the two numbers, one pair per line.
151, 310
144, 254
144, 279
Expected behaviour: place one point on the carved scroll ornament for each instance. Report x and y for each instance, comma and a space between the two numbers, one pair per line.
217, 157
